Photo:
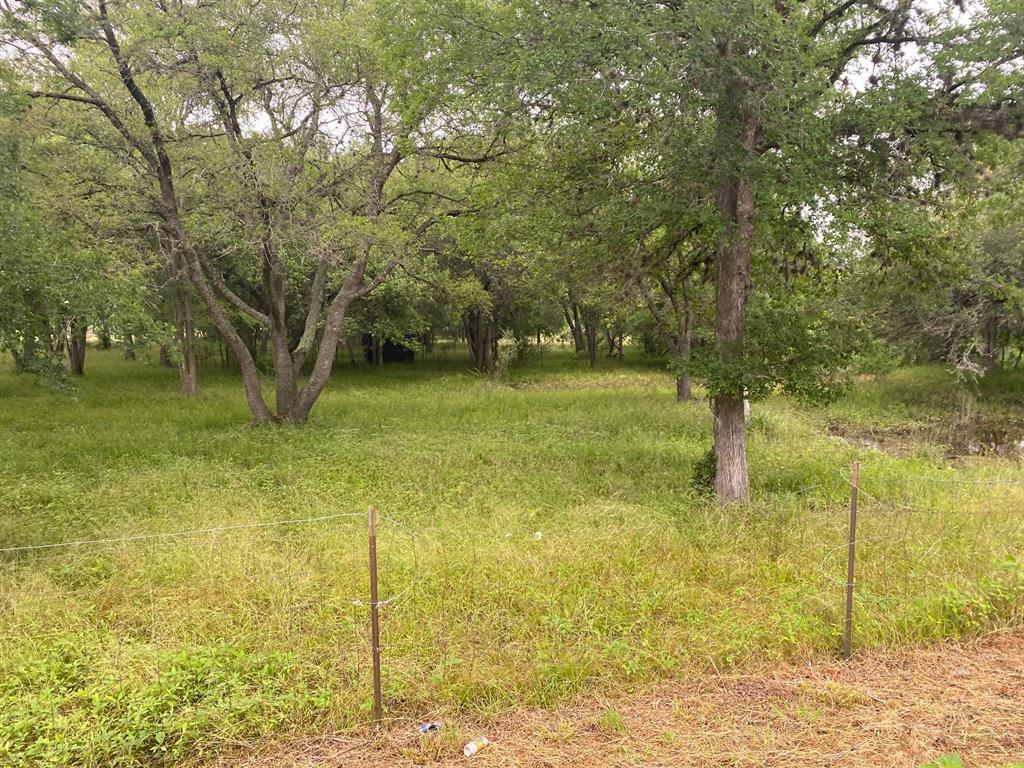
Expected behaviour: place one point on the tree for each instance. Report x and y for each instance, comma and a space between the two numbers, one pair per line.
769, 112
310, 136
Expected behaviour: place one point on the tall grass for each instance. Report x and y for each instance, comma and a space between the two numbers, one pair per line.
541, 538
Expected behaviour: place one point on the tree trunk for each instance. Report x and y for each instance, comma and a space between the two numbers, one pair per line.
352, 288
590, 333
129, 347
250, 373
482, 339
684, 348
60, 346
28, 353
572, 319
683, 392
105, 341
165, 357
188, 364
76, 346
735, 204
991, 340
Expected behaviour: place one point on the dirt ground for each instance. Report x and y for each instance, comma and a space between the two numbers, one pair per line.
880, 709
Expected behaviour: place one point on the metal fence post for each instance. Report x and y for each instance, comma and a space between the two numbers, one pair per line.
850, 560
375, 620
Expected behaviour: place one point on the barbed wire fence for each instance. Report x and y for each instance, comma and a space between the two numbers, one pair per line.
896, 538
914, 541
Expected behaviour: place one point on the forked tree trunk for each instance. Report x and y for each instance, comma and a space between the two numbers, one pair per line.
572, 319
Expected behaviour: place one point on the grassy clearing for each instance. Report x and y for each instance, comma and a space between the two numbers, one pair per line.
142, 653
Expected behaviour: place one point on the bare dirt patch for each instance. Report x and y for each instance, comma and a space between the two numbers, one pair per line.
974, 438
880, 709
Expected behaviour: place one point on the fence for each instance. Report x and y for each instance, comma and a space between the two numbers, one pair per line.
883, 545
920, 539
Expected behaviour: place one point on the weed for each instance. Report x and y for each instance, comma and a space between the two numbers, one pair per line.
610, 722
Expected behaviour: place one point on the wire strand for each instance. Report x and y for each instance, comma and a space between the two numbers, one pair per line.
179, 534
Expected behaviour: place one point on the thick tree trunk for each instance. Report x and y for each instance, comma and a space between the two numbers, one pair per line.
683, 392
733, 248
481, 338
76, 346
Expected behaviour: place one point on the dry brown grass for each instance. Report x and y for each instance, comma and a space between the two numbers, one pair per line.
880, 709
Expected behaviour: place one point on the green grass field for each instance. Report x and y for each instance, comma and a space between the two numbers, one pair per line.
541, 538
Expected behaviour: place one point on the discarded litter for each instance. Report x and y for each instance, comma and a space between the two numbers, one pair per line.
428, 727
480, 742
538, 535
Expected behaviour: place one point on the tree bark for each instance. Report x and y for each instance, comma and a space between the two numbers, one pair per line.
590, 335
104, 333
684, 348
76, 346
735, 205
165, 357
572, 319
188, 364
991, 340
129, 347
683, 392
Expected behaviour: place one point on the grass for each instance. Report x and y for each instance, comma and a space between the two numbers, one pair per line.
541, 538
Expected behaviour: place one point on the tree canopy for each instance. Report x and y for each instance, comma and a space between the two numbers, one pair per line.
763, 192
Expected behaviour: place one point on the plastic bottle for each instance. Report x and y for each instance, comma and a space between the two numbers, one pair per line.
475, 746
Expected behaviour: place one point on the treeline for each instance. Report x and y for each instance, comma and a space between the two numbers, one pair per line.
765, 192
